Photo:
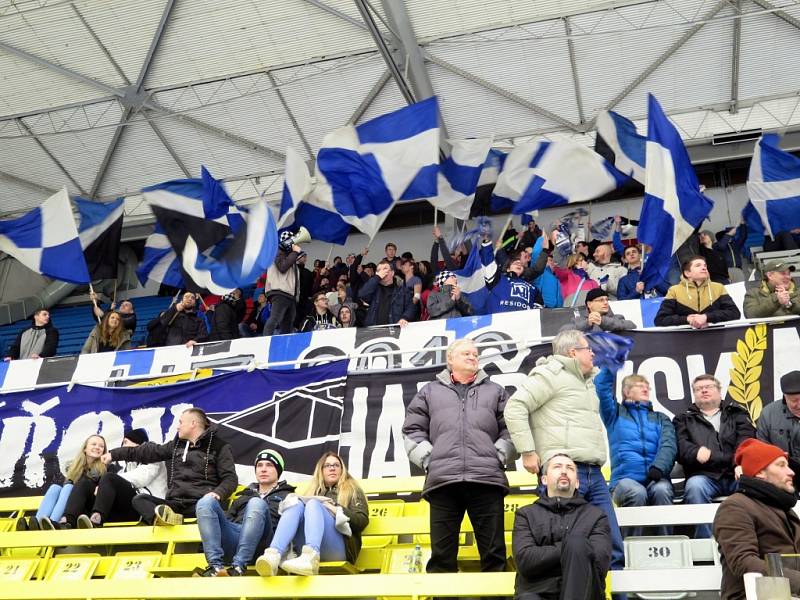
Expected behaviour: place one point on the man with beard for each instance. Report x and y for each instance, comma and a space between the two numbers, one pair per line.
561, 544
758, 519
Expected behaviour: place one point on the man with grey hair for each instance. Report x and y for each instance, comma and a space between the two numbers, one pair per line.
556, 410
454, 430
561, 544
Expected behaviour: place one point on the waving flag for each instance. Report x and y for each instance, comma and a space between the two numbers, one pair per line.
250, 253
46, 240
673, 204
774, 186
459, 175
302, 204
618, 142
159, 262
471, 279
100, 230
363, 170
544, 174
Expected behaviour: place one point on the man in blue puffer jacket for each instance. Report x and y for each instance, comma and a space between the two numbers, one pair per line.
642, 442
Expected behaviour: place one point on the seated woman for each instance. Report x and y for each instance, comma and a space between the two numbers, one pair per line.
326, 520
696, 300
85, 469
108, 335
110, 500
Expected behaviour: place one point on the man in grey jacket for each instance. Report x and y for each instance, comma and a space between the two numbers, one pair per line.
779, 423
598, 315
283, 280
447, 301
454, 430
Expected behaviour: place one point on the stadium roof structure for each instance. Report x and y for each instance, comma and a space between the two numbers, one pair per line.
108, 96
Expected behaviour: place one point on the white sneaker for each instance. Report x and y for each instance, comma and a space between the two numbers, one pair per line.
306, 564
267, 564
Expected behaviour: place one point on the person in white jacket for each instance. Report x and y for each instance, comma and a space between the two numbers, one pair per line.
115, 491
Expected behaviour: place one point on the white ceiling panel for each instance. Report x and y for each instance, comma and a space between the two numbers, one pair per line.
18, 198
23, 158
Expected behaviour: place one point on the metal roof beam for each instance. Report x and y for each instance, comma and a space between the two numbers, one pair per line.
291, 116
100, 44
735, 56
169, 148
36, 187
503, 92
663, 58
370, 98
574, 67
781, 14
50, 155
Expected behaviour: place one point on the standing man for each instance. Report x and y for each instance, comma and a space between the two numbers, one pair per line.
556, 410
758, 519
708, 433
283, 280
776, 296
604, 271
246, 529
198, 463
40, 340
388, 300
642, 443
561, 543
630, 287
454, 430
183, 324
779, 423
446, 301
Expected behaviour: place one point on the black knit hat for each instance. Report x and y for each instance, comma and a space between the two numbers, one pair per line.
595, 293
137, 436
272, 456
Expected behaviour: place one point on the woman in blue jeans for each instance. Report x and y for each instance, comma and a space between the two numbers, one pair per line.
326, 521
86, 464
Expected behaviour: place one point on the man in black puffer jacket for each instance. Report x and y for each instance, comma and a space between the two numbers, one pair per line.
455, 431
198, 464
234, 538
561, 544
183, 324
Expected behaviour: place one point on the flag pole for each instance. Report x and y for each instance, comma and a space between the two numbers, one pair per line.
94, 301
435, 216
499, 242
114, 298
330, 253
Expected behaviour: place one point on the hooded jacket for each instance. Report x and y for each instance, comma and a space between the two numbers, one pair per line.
638, 436
756, 520
556, 409
92, 343
693, 431
50, 341
687, 298
224, 322
273, 499
193, 470
317, 322
761, 302
539, 532
457, 433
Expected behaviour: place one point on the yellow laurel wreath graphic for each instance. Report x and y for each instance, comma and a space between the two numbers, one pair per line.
745, 387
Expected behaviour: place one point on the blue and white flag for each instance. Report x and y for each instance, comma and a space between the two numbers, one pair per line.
363, 170
46, 240
100, 231
458, 176
471, 279
302, 204
249, 254
543, 174
673, 204
774, 186
618, 141
159, 262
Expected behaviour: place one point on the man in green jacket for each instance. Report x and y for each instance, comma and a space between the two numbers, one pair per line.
776, 296
556, 411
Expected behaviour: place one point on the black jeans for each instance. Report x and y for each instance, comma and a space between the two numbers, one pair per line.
145, 505
281, 315
484, 505
80, 500
580, 579
114, 499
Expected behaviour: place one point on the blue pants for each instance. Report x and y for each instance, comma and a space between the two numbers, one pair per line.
594, 489
223, 539
701, 489
629, 492
311, 525
54, 502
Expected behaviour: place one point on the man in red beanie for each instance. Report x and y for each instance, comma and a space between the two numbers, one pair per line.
758, 518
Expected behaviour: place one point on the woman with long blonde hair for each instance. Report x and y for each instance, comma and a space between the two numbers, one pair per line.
108, 335
326, 520
86, 464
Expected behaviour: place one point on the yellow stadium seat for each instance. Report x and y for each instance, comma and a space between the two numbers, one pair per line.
72, 567
378, 509
7, 524
134, 565
17, 569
